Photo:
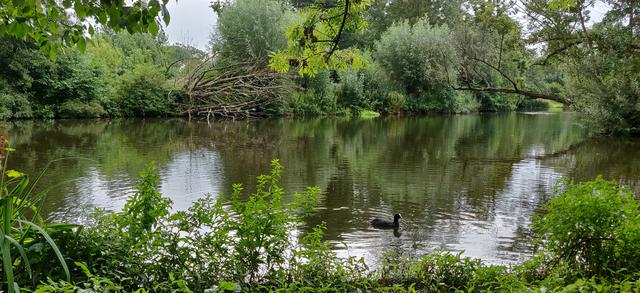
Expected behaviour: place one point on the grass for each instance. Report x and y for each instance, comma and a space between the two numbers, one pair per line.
368, 114
555, 106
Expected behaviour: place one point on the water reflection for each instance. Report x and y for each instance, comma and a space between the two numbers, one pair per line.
467, 182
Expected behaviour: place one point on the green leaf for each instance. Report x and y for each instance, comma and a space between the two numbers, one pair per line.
227, 286
25, 259
84, 268
53, 245
14, 174
153, 28
6, 260
82, 44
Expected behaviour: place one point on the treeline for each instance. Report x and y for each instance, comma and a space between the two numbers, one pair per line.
409, 56
131, 75
119, 75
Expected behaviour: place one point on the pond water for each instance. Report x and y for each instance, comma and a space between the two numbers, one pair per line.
463, 183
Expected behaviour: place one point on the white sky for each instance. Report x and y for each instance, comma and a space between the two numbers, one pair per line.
191, 22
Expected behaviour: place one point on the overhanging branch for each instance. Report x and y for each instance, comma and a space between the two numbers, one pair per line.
528, 94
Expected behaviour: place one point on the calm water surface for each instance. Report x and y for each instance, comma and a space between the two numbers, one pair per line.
464, 183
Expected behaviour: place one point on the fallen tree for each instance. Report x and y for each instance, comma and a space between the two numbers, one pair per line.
238, 91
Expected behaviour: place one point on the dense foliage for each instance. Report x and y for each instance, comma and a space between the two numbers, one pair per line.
53, 25
121, 74
388, 56
593, 228
249, 30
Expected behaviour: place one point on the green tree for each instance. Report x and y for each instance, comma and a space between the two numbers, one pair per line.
601, 61
313, 38
55, 24
413, 55
251, 30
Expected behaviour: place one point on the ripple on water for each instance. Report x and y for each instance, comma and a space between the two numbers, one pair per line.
465, 182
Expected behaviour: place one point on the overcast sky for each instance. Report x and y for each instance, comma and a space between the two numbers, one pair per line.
191, 22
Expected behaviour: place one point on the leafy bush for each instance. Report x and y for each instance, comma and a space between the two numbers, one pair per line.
605, 83
443, 100
395, 102
92, 284
589, 235
74, 78
13, 104
144, 245
377, 88
415, 55
251, 29
316, 96
350, 90
142, 93
79, 109
25, 241
593, 228
303, 102
490, 102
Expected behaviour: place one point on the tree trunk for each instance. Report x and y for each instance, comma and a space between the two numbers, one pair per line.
528, 94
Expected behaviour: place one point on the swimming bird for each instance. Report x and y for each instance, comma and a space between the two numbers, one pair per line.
384, 224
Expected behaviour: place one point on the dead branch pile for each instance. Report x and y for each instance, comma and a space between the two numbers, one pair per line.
237, 91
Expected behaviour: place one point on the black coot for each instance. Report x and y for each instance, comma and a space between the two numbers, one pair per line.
385, 224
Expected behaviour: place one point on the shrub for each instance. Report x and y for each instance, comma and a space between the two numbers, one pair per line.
142, 93
395, 102
605, 84
14, 105
414, 55
377, 88
309, 102
431, 272
145, 246
79, 109
443, 100
317, 96
242, 243
74, 78
251, 29
120, 246
25, 241
594, 228
350, 90
491, 102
